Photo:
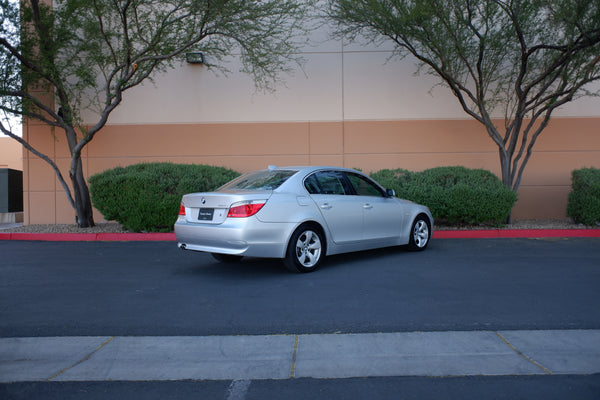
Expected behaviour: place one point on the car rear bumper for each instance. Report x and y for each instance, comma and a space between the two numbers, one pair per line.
236, 236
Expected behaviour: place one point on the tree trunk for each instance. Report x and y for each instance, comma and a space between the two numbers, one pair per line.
505, 164
83, 202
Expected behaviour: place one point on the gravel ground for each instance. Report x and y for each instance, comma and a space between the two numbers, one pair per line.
104, 227
113, 227
523, 224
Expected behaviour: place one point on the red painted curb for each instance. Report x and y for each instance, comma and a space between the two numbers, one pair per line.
465, 234
168, 236
515, 233
87, 237
5, 236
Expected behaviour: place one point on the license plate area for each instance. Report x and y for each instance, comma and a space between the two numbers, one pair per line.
206, 214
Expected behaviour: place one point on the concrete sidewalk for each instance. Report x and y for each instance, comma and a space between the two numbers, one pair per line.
296, 356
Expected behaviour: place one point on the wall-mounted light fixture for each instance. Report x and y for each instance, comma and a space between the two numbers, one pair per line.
194, 58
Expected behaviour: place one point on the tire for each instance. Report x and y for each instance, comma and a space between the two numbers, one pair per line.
420, 233
306, 249
226, 258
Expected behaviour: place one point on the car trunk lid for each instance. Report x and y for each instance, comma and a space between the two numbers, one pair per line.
212, 207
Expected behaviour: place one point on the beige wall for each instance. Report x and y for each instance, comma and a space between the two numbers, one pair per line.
11, 154
567, 144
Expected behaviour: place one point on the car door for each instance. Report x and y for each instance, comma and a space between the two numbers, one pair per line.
342, 213
382, 215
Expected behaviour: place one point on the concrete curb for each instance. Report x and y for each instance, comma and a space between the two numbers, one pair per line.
170, 236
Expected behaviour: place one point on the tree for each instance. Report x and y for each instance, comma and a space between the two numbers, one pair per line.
87, 53
521, 58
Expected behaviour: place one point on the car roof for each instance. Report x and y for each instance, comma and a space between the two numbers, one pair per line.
310, 168
305, 170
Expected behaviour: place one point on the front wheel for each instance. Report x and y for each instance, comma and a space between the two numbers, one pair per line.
305, 250
420, 233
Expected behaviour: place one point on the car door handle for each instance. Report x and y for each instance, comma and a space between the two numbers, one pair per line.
367, 206
325, 206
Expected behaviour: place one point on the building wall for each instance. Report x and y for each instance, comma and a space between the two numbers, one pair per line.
11, 154
349, 106
369, 145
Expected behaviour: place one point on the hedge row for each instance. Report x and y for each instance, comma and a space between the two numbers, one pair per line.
455, 195
584, 199
146, 197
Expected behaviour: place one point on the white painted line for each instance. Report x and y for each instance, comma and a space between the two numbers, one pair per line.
238, 389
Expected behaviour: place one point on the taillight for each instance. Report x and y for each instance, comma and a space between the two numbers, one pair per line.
181, 209
245, 209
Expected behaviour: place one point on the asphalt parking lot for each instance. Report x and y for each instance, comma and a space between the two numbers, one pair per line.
477, 310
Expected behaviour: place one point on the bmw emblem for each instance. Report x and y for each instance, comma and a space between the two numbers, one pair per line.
203, 200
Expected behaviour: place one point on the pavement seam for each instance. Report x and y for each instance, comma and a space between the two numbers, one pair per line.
84, 359
540, 366
294, 355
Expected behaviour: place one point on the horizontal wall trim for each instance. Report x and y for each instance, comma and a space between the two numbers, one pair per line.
329, 120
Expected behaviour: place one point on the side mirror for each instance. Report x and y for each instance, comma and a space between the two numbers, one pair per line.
390, 193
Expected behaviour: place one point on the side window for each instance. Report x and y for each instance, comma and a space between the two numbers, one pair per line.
312, 185
364, 187
325, 182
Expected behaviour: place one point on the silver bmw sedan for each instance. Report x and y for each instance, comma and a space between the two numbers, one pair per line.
300, 215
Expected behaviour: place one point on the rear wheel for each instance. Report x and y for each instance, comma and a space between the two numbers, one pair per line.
420, 233
227, 258
305, 250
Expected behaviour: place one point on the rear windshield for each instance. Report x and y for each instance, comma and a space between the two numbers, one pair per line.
260, 180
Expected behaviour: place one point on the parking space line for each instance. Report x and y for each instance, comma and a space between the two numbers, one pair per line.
238, 389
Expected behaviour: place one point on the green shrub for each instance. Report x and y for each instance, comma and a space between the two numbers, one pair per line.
584, 199
146, 197
456, 195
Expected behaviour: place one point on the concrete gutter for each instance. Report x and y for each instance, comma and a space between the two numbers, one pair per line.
170, 236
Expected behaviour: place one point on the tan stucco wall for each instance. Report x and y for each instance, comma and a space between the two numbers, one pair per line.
567, 144
11, 154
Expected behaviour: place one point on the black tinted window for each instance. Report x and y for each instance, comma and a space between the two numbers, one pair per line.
326, 182
364, 187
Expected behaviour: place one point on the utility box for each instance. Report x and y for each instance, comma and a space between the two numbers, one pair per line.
11, 190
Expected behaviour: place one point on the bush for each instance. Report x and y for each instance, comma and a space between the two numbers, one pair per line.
455, 195
583, 204
146, 197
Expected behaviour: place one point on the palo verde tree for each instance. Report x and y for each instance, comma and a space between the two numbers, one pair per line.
87, 53
516, 59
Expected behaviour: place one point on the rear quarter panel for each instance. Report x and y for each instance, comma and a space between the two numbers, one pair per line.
289, 208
